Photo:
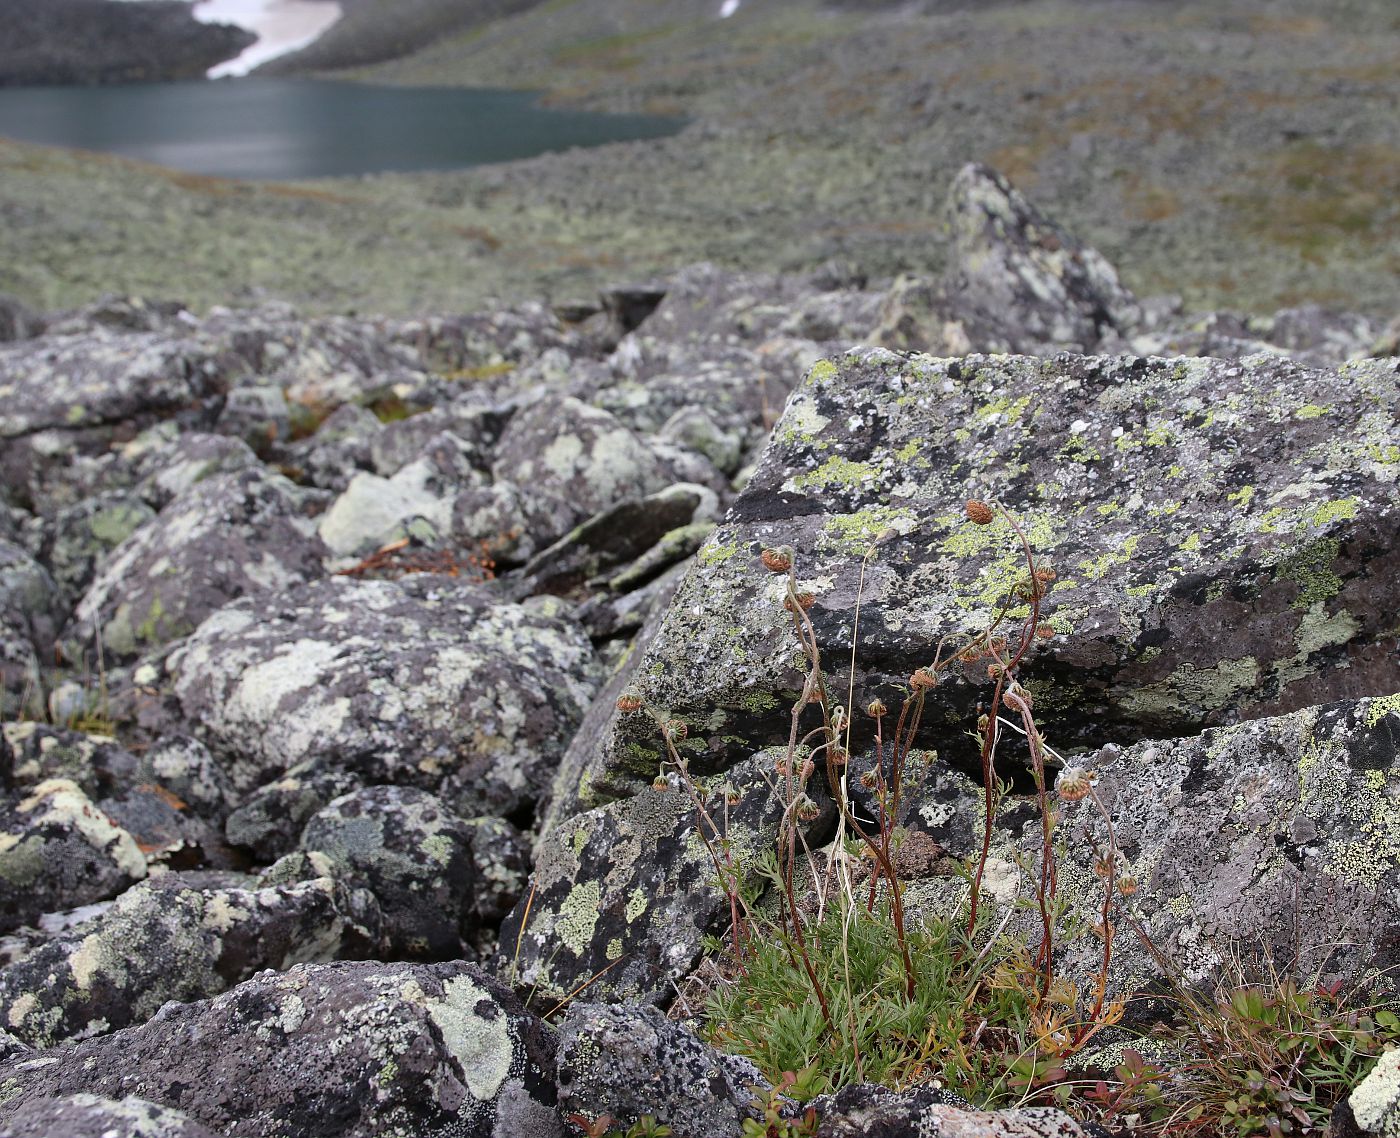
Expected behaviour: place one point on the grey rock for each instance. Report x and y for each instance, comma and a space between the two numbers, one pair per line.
257, 415
569, 461
476, 428
228, 535
502, 860
1259, 497
167, 471
615, 536
338, 447
629, 1061
69, 382
413, 854
623, 895
423, 682
30, 609
96, 763
268, 823
91, 1116
60, 851
493, 520
1281, 834
344, 1050
183, 766
77, 539
179, 937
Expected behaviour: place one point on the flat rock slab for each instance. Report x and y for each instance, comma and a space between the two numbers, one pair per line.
429, 681
1224, 534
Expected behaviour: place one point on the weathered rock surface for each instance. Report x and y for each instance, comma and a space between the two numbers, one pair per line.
627, 1061
423, 682
413, 854
1173, 498
179, 937
228, 535
876, 1112
58, 851
624, 893
359, 1050
92, 1116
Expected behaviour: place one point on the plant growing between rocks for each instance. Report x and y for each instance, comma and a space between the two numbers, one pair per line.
829, 980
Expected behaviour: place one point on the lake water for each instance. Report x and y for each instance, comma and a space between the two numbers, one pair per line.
281, 129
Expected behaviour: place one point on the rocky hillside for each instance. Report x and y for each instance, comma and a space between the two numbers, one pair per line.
1243, 155
89, 42
362, 678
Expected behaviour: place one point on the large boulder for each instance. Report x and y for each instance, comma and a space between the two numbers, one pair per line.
345, 1050
1172, 498
231, 534
92, 1116
428, 681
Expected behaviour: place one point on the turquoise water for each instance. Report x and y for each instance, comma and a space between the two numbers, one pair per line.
281, 129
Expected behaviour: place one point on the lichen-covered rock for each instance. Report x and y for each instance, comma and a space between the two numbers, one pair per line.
413, 854
77, 539
1016, 282
96, 763
167, 471
569, 461
89, 381
1375, 1103
502, 860
183, 766
1172, 498
617, 535
58, 851
869, 1111
347, 1050
231, 534
92, 1116
268, 823
423, 682
623, 894
1281, 834
627, 1061
179, 937
30, 609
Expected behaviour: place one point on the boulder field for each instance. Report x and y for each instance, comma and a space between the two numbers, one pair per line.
339, 659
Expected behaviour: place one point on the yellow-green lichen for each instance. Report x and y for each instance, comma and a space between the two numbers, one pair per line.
716, 553
1096, 567
1311, 569
854, 533
836, 472
1340, 510
578, 916
636, 905
1311, 411
1378, 709
1005, 410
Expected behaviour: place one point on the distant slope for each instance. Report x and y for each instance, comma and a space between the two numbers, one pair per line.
93, 42
371, 31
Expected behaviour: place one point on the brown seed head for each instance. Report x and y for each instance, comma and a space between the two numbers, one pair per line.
876, 708
869, 780
995, 671
923, 679
1127, 885
978, 512
628, 702
661, 783
804, 602
1044, 574
1074, 783
777, 560
675, 729
1045, 631
807, 810
807, 769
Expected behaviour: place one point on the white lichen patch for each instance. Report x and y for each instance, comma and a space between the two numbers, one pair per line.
481, 1045
1376, 1100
